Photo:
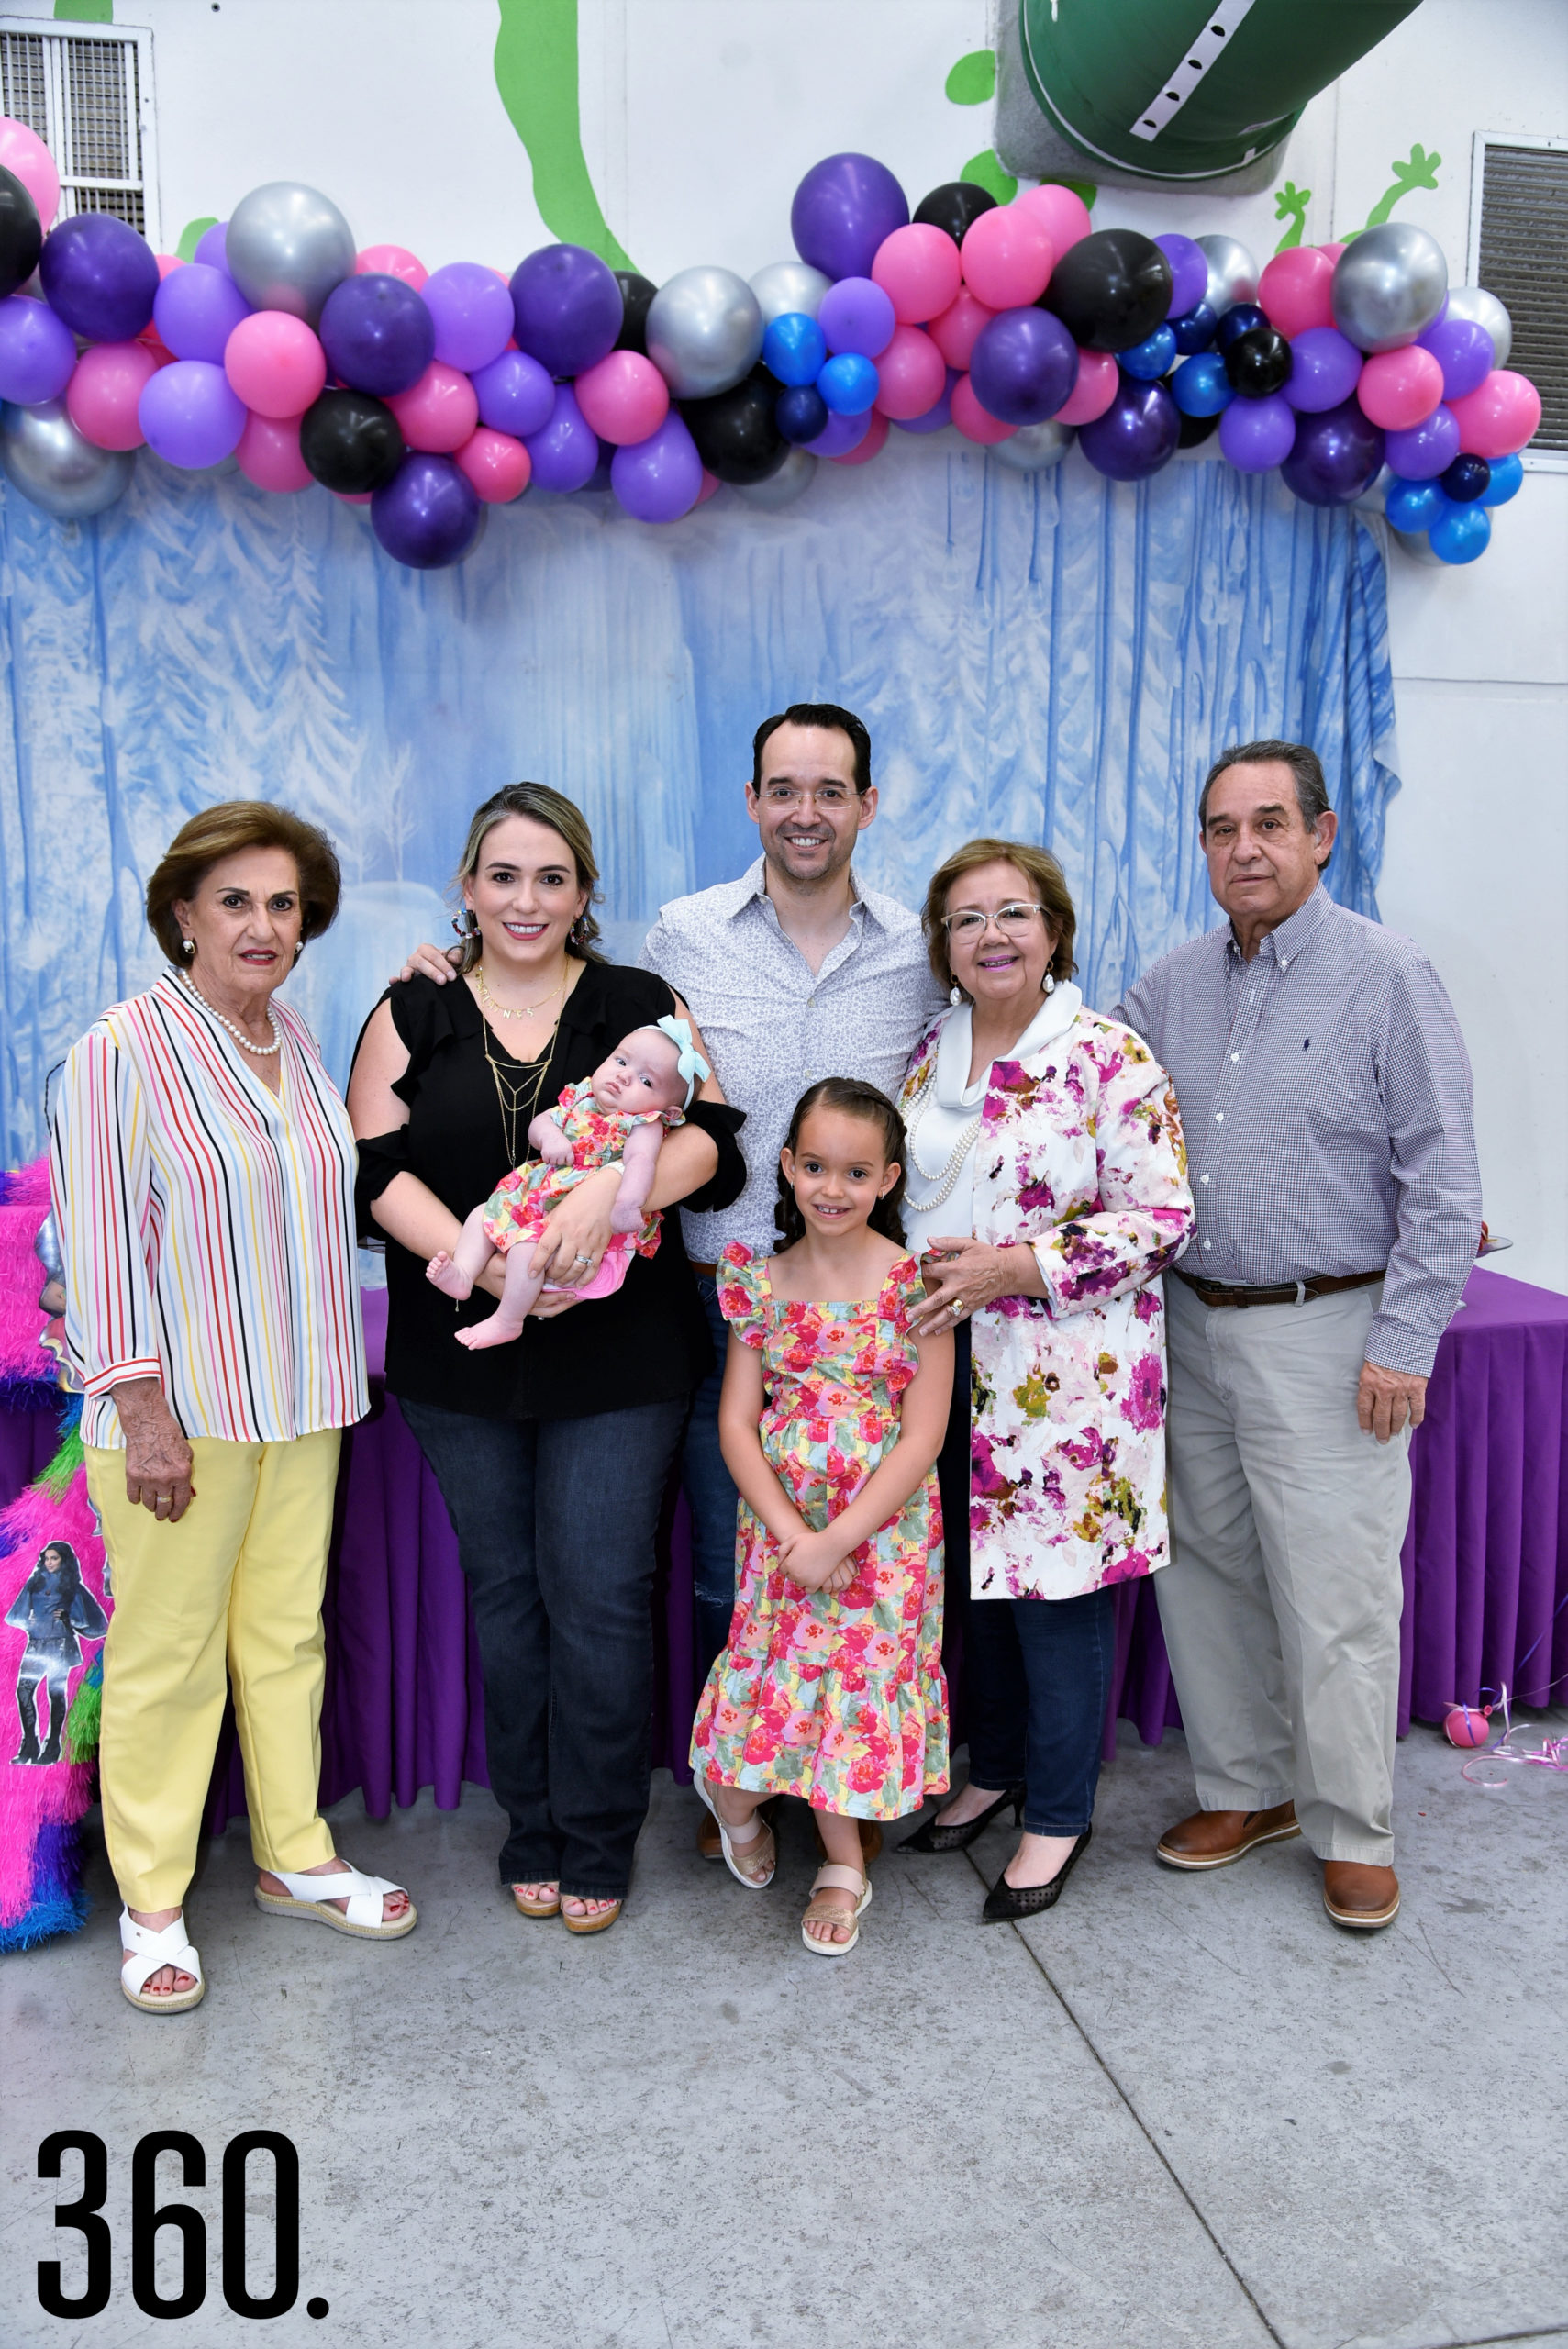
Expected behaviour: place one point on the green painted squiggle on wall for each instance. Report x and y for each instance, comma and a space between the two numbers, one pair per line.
536, 74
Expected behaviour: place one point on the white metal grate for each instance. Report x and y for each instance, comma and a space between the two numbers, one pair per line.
89, 98
1520, 232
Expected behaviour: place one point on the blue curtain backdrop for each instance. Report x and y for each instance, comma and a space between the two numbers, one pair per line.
1051, 657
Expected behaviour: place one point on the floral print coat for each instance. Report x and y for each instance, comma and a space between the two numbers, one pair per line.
1079, 1156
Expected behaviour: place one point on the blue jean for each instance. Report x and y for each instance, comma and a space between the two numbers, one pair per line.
555, 1523
712, 1499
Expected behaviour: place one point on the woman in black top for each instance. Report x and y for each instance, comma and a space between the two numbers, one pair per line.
552, 1453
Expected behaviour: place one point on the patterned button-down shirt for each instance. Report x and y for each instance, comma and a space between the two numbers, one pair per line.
773, 1026
1325, 1096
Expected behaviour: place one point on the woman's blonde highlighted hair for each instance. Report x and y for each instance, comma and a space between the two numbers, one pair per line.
1048, 886
552, 808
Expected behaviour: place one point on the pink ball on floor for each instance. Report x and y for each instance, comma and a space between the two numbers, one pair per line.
1467, 1724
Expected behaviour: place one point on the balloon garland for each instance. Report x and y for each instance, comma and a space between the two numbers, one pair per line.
431, 396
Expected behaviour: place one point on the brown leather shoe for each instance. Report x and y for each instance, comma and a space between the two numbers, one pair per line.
871, 1838
1365, 1898
1212, 1838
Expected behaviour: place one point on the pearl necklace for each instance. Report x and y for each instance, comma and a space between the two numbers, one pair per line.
945, 1176
262, 1051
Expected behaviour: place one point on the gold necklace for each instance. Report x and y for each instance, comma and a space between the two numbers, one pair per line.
517, 1096
519, 1011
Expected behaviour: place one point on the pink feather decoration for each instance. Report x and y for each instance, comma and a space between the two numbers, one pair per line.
24, 1203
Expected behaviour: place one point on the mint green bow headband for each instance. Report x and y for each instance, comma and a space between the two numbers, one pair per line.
691, 1063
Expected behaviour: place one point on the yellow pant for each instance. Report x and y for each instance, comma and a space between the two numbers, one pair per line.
236, 1583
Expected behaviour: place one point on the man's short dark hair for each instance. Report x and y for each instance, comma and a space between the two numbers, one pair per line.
1311, 791
826, 714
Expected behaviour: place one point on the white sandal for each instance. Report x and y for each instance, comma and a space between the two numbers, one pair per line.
312, 1896
834, 1878
150, 1952
752, 1883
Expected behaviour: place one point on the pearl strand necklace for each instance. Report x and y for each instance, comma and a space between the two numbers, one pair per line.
262, 1051
945, 1176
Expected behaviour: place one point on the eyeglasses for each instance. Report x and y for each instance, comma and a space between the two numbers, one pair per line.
1013, 921
791, 794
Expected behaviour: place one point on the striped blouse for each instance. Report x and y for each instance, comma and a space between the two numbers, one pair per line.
206, 1225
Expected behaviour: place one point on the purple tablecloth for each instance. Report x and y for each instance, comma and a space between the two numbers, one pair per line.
1485, 1567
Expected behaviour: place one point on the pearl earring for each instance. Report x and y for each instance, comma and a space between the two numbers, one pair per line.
187, 946
954, 997
1048, 985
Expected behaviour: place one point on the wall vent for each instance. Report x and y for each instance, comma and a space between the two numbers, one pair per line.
89, 97
1518, 235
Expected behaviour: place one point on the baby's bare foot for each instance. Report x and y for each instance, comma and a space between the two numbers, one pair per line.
497, 1332
448, 1277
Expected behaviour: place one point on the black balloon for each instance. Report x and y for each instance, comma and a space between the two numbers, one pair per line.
1195, 430
1466, 479
1111, 290
954, 208
1258, 363
1239, 319
737, 432
350, 442
635, 292
21, 233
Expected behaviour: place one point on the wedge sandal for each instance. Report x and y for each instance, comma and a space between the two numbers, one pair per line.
311, 1896
150, 1952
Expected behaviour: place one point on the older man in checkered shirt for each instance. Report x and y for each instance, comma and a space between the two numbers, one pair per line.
1326, 1099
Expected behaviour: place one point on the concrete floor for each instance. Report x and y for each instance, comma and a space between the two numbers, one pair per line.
1175, 2113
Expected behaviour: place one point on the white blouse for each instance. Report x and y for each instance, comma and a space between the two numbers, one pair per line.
943, 1122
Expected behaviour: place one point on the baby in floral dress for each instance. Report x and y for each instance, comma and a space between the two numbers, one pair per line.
830, 1685
619, 1117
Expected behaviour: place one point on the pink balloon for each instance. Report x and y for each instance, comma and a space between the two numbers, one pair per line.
956, 332
1333, 251
1399, 388
353, 496
269, 454
275, 363
709, 486
102, 395
1499, 415
167, 264
24, 153
1063, 216
919, 271
390, 261
912, 372
870, 443
1008, 258
1293, 292
624, 397
499, 467
972, 420
1093, 391
439, 412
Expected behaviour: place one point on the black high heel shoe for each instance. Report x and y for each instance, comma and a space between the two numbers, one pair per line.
1005, 1903
935, 1838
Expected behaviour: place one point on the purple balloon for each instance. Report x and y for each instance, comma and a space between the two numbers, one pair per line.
212, 247
196, 309
1024, 366
1325, 368
100, 276
1189, 273
566, 308
1337, 454
841, 434
38, 352
1426, 449
1255, 435
191, 414
659, 479
427, 515
378, 335
472, 311
565, 452
1137, 433
1464, 350
843, 209
936, 416
515, 394
856, 315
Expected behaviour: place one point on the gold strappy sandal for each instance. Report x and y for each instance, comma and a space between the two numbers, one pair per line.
835, 1878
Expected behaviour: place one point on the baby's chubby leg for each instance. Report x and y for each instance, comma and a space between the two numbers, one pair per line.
518, 1298
455, 1274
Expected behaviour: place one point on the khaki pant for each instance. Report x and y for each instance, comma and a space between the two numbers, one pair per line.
1281, 1606
231, 1592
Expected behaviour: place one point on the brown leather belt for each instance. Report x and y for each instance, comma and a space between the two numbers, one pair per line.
1213, 1293
705, 1272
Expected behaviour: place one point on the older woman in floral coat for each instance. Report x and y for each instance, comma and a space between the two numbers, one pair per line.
1047, 1191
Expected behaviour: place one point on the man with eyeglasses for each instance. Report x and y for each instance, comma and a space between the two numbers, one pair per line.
792, 972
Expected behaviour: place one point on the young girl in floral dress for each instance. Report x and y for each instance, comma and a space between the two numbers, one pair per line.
831, 1687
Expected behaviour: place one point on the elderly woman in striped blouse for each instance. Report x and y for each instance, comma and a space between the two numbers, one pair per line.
202, 1170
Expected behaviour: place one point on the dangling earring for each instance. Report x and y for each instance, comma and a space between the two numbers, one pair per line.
299, 948
1048, 985
187, 947
577, 934
955, 994
465, 923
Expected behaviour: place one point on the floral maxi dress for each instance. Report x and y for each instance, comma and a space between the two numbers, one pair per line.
840, 1698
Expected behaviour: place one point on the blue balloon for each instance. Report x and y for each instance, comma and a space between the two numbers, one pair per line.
801, 413
1466, 479
1150, 359
1413, 504
1239, 319
1461, 532
1194, 330
1200, 385
795, 348
849, 384
1507, 474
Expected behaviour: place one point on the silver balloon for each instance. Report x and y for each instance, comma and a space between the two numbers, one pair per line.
287, 246
1232, 273
1417, 546
1035, 446
1474, 301
787, 287
705, 331
47, 460
793, 479
1389, 285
